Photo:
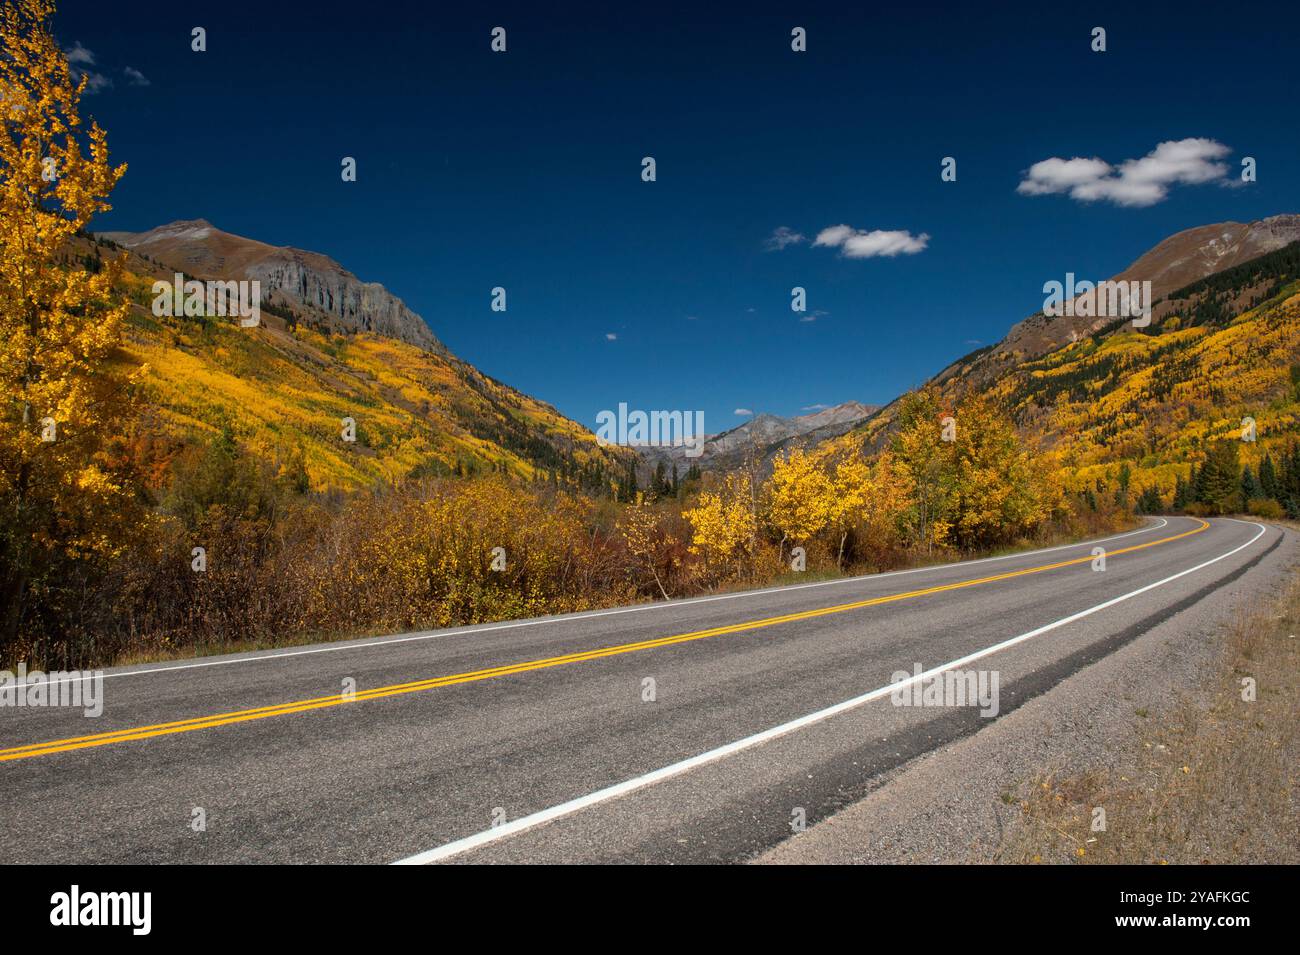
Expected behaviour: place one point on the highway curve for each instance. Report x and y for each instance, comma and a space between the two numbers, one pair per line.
533, 741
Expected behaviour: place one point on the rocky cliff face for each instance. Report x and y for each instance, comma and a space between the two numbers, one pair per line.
307, 280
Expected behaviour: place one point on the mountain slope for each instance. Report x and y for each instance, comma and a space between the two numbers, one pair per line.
1182, 258
284, 388
1223, 346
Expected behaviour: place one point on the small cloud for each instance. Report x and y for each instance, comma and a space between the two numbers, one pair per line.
79, 55
783, 236
97, 82
813, 315
814, 407
743, 411
611, 337
860, 244
972, 341
79, 58
1134, 182
135, 77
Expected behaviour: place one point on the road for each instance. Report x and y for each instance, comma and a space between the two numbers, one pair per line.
534, 741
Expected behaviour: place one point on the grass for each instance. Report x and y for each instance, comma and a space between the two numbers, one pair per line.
1213, 780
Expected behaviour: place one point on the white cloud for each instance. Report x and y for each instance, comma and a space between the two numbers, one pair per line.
79, 55
834, 236
611, 337
1058, 175
860, 244
1134, 182
135, 76
814, 407
866, 245
783, 236
78, 59
743, 411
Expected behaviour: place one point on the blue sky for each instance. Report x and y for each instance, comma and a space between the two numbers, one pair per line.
522, 170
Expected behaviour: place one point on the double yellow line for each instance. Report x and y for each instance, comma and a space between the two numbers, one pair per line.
321, 702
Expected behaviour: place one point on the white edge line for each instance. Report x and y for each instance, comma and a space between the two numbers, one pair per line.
516, 826
656, 605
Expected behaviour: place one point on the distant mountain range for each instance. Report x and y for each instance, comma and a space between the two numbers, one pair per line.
763, 437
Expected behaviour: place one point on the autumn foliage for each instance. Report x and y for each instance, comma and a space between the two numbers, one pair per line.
957, 483
63, 504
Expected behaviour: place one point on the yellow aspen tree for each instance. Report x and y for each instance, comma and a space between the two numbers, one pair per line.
800, 496
998, 494
59, 323
851, 493
723, 522
927, 461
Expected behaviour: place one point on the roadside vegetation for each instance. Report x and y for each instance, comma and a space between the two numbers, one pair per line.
230, 551
1212, 779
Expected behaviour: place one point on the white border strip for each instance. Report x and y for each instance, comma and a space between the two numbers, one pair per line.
565, 618
517, 826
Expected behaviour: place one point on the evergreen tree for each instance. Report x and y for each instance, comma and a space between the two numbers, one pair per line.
1149, 501
1268, 477
659, 485
1180, 494
1219, 487
1250, 486
1125, 476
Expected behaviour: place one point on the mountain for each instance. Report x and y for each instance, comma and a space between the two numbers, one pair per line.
314, 283
1223, 346
328, 348
764, 436
1180, 259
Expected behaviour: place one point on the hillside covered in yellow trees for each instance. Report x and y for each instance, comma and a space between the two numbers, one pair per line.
1147, 407
287, 389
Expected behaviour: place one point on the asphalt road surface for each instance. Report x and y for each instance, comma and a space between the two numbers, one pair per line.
538, 740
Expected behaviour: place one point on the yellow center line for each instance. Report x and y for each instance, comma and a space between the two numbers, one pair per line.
302, 706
